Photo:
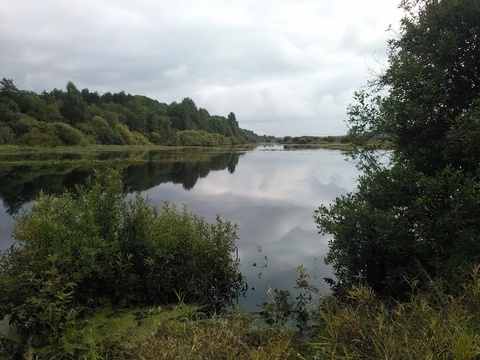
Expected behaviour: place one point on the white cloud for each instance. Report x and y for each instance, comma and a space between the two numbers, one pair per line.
176, 72
281, 66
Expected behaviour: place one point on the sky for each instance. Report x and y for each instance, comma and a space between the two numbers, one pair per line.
284, 67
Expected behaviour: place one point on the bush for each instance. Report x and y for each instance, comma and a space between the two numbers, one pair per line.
69, 135
40, 135
79, 250
6, 135
126, 134
199, 138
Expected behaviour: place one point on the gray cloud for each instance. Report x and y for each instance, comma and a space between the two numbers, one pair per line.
284, 67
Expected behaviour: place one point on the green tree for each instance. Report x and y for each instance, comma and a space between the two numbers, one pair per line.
433, 82
8, 89
73, 107
137, 116
184, 116
9, 98
415, 217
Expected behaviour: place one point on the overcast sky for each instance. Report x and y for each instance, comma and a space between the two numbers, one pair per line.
284, 67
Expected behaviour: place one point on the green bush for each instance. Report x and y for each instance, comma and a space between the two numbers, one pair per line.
126, 134
199, 138
139, 139
81, 249
37, 133
69, 135
6, 135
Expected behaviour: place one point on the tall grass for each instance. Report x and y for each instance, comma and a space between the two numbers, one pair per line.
178, 332
432, 325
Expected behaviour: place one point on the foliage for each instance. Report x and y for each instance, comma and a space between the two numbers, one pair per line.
430, 325
199, 138
81, 249
300, 140
434, 78
178, 332
402, 223
126, 119
415, 215
68, 135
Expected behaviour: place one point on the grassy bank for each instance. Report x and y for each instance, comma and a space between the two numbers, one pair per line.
432, 325
178, 332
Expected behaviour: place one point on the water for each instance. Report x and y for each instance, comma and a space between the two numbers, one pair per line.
271, 194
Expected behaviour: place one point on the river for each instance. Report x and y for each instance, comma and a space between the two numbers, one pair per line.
270, 193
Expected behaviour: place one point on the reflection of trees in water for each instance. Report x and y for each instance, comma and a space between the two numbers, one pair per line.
22, 184
145, 176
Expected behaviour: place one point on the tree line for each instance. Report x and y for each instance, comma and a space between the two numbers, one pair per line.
81, 117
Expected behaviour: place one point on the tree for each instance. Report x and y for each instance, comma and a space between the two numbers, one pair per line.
137, 115
416, 217
73, 108
232, 121
433, 80
8, 89
9, 98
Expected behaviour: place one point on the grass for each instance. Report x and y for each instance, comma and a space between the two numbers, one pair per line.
5, 149
432, 325
178, 332
102, 155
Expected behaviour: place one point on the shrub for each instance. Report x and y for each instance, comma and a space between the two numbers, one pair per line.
199, 138
42, 137
6, 135
69, 135
127, 135
139, 139
80, 249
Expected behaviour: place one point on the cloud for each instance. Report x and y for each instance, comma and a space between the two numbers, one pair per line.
276, 64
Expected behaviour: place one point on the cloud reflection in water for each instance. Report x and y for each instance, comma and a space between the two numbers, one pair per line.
271, 196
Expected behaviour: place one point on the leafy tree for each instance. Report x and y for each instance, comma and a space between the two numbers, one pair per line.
415, 217
90, 97
219, 125
203, 117
9, 97
8, 89
137, 116
121, 98
433, 81
73, 108
7, 114
190, 111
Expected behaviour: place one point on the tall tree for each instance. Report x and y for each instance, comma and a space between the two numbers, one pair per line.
433, 80
73, 108
9, 99
418, 217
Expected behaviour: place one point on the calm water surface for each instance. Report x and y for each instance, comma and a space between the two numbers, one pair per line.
271, 194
